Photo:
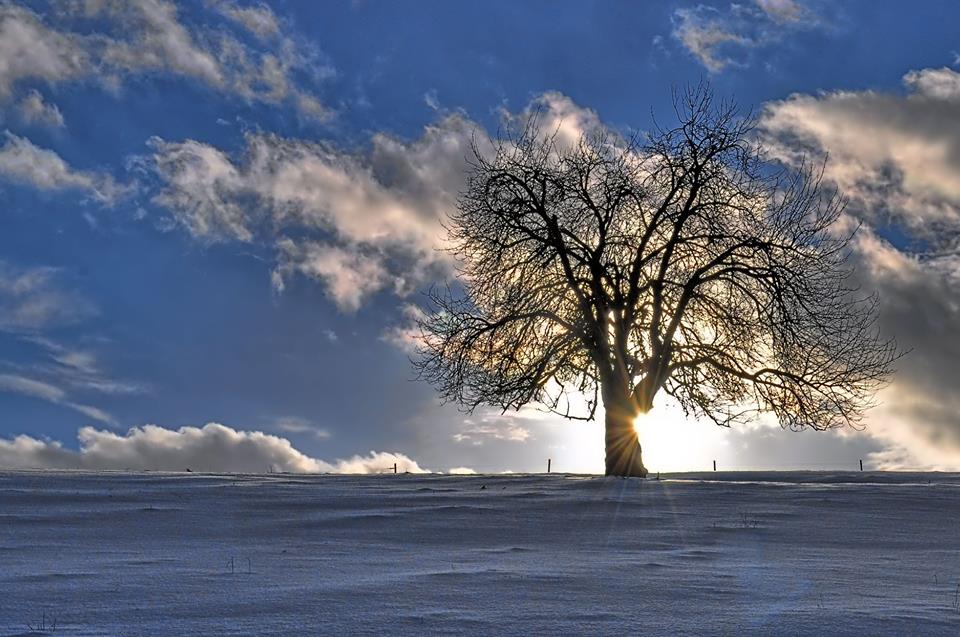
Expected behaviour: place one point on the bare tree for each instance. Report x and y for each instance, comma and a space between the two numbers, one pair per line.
682, 262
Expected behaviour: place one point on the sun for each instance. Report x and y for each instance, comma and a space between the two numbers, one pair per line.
670, 441
673, 442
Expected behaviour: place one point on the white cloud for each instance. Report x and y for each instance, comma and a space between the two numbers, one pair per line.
259, 19
159, 43
377, 462
358, 222
940, 84
558, 117
213, 447
137, 37
783, 11
24, 452
896, 156
74, 360
29, 49
33, 299
202, 190
348, 276
34, 110
364, 222
430, 99
406, 335
395, 195
23, 162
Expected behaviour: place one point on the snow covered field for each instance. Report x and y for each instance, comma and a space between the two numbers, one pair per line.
733, 554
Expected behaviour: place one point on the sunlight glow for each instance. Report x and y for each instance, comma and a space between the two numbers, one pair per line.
671, 442
581, 447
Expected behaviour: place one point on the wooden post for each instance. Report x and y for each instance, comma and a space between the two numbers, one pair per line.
394, 467
714, 465
549, 460
861, 464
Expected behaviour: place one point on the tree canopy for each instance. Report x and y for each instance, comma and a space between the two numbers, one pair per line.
680, 261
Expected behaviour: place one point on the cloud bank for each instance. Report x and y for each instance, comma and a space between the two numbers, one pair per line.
211, 448
897, 159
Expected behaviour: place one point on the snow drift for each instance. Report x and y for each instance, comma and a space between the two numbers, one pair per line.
725, 555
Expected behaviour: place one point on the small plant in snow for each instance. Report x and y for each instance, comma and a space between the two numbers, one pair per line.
43, 627
746, 522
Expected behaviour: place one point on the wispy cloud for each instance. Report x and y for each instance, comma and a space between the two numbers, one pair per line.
34, 299
34, 302
719, 38
297, 425
785, 11
50, 393
704, 33
32, 50
79, 369
481, 428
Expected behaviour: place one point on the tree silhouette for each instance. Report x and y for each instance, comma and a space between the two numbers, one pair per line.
683, 262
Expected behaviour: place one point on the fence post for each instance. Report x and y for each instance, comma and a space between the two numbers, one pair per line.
394, 467
861, 464
714, 465
549, 460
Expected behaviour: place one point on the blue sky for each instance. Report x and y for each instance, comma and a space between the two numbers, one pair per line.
222, 211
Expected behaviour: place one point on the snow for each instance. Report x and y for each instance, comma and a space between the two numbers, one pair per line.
691, 554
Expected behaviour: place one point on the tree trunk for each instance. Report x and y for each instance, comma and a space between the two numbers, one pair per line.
623, 446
